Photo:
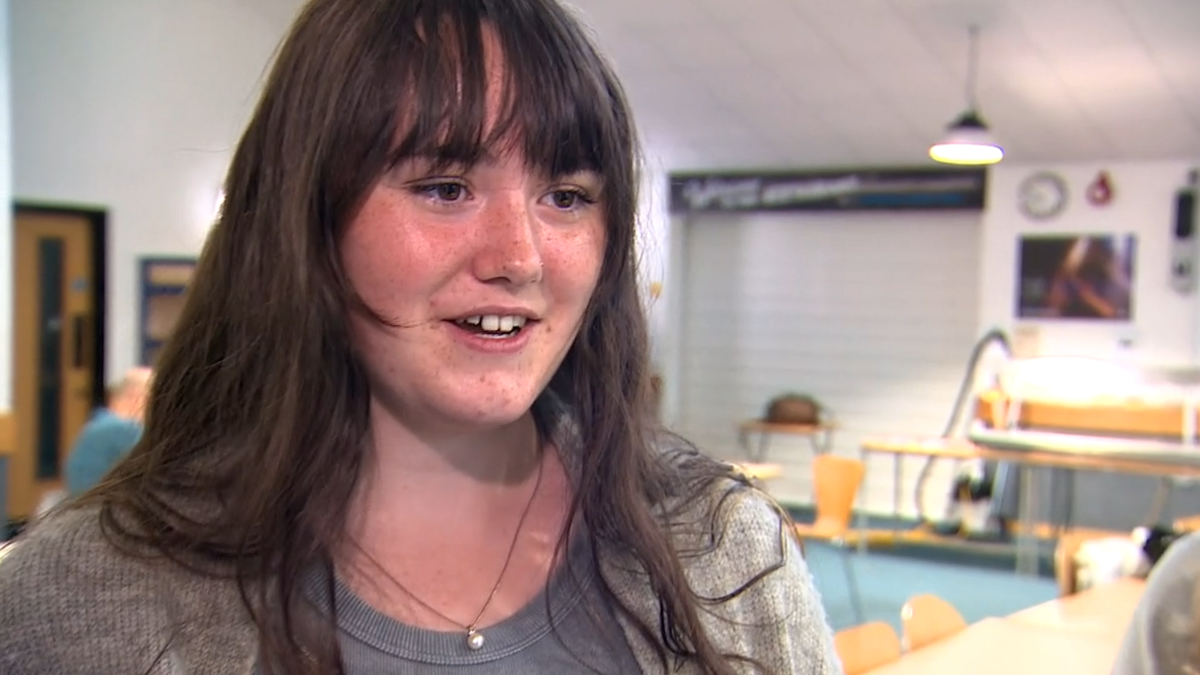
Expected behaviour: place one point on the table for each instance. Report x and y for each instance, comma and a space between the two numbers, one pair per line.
1007, 647
6, 547
758, 472
1104, 610
1159, 452
820, 435
1026, 460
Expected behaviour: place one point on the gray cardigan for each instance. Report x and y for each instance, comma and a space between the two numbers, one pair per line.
71, 604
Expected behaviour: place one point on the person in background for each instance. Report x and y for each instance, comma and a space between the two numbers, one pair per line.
404, 423
110, 434
1163, 637
1089, 283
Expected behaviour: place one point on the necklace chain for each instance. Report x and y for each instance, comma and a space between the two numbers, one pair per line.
475, 639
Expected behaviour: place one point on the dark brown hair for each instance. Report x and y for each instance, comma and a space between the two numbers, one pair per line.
258, 411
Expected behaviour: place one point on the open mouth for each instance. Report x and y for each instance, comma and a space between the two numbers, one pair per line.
492, 326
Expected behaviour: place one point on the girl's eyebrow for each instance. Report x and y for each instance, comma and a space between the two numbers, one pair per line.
442, 158
445, 156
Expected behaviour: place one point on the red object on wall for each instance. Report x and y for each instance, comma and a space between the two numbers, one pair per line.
1100, 191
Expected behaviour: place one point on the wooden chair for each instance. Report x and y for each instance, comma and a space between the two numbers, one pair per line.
928, 618
863, 648
836, 481
1187, 523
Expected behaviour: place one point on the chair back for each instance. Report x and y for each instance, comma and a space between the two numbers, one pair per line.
928, 618
865, 647
836, 481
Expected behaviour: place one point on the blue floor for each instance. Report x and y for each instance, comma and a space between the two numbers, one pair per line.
887, 581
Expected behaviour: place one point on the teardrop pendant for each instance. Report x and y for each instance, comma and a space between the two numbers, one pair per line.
474, 640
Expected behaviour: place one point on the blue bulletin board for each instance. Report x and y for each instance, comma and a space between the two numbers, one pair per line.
164, 281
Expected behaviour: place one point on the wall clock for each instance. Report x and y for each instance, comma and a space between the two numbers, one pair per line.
1042, 195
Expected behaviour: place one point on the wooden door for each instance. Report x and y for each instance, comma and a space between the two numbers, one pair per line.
54, 343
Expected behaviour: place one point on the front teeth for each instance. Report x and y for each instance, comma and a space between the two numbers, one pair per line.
496, 324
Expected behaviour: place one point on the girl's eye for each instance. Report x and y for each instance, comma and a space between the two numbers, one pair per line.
446, 192
569, 198
442, 192
565, 199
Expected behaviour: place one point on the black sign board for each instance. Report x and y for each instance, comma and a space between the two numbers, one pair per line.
851, 190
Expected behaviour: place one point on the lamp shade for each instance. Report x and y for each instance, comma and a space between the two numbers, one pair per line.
967, 141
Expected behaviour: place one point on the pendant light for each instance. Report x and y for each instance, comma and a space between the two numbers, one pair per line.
967, 140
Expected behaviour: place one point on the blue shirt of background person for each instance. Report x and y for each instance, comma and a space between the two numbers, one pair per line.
109, 435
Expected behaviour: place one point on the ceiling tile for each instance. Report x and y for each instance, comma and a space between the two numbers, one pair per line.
700, 48
1180, 68
864, 35
674, 92
781, 38
1165, 141
1159, 21
824, 80
633, 13
634, 56
1067, 25
837, 82
754, 13
756, 91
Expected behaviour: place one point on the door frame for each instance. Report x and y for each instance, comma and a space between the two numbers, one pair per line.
98, 220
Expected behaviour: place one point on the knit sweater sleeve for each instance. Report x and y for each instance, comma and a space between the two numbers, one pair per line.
756, 592
69, 605
777, 619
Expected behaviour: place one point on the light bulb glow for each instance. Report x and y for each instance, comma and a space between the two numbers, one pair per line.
967, 141
966, 153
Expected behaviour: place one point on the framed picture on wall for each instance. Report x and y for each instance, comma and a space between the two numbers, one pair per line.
164, 281
1076, 276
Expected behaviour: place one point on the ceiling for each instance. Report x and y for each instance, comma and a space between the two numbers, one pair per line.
739, 84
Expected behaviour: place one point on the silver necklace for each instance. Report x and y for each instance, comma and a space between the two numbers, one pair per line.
474, 637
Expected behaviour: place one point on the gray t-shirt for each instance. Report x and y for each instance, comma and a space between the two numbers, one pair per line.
568, 628
1164, 635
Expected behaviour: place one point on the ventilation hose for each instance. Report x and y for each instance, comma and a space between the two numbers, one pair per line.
994, 335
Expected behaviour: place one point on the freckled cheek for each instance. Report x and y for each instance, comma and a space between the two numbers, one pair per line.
385, 259
573, 272
364, 248
372, 271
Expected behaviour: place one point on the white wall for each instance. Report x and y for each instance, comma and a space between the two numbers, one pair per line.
653, 241
133, 106
6, 279
872, 313
1163, 331
713, 392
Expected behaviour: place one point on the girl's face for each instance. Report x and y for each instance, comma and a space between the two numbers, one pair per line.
485, 272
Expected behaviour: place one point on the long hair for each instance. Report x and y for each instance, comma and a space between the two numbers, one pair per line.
259, 409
